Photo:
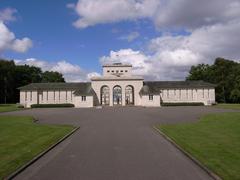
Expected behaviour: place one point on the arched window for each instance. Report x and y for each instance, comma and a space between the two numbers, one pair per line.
129, 95
105, 95
117, 95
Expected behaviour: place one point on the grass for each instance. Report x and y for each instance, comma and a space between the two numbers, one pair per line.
229, 106
8, 107
21, 140
214, 141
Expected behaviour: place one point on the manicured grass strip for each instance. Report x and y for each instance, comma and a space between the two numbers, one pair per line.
214, 141
21, 140
8, 107
228, 106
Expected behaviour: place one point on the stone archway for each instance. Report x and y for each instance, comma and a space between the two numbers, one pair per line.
129, 95
105, 96
117, 95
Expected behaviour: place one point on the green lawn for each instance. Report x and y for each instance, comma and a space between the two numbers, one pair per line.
8, 107
214, 141
228, 106
21, 140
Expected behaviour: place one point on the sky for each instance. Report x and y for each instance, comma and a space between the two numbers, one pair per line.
162, 39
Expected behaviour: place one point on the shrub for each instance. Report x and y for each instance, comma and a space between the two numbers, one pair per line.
51, 105
184, 104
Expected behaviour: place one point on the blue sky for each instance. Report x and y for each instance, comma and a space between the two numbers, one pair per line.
50, 28
161, 39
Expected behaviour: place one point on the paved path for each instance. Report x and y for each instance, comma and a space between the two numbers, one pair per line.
115, 144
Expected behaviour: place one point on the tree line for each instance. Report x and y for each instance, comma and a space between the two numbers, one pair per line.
13, 76
225, 74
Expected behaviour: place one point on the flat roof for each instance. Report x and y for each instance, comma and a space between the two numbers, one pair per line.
117, 65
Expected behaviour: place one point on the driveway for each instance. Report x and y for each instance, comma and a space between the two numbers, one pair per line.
115, 144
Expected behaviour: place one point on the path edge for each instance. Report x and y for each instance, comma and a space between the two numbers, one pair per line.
197, 162
25, 166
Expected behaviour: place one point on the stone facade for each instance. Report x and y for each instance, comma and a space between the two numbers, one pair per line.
119, 87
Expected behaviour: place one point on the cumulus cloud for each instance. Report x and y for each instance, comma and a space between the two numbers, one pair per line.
92, 12
8, 41
71, 72
189, 14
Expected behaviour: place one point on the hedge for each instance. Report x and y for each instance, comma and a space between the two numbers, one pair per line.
51, 105
184, 104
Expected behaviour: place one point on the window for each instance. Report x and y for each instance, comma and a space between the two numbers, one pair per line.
66, 96
54, 95
108, 71
117, 71
112, 71
126, 71
30, 95
203, 93
83, 98
25, 95
47, 95
150, 97
121, 70
71, 95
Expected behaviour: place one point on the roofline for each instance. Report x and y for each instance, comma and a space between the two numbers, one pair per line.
120, 65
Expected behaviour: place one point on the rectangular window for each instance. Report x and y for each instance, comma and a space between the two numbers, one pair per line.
108, 71
83, 98
66, 95
30, 95
54, 95
121, 70
168, 93
187, 93
47, 95
175, 92
59, 95
203, 93
150, 97
71, 95
126, 71
112, 71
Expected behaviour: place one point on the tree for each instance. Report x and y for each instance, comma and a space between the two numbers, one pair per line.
12, 77
50, 76
224, 73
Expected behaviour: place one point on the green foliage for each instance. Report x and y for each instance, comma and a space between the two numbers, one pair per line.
214, 141
183, 104
51, 105
50, 76
225, 74
12, 77
21, 140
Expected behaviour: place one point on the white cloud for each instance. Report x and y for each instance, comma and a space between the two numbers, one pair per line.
71, 72
8, 41
92, 12
140, 61
130, 37
7, 14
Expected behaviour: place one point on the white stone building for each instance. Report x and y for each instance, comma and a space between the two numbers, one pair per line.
118, 87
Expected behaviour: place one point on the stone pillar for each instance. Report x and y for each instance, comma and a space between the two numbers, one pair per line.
111, 95
123, 96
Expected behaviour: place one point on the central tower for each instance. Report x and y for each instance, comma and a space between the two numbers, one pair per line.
117, 86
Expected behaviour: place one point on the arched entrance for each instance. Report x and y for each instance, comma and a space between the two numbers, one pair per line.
117, 95
105, 95
129, 95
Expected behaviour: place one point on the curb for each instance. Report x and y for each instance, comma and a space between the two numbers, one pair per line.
209, 172
21, 169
